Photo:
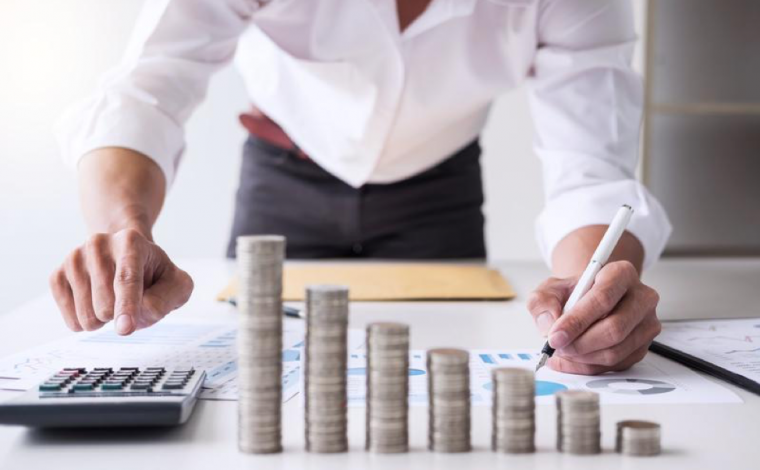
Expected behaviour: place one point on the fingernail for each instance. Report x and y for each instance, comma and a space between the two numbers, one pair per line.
123, 324
558, 339
545, 322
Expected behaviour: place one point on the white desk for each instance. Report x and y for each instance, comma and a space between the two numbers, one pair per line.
695, 436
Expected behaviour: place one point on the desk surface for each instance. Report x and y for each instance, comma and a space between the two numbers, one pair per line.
694, 436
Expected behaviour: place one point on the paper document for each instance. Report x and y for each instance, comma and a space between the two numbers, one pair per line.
394, 281
210, 345
653, 381
201, 344
732, 345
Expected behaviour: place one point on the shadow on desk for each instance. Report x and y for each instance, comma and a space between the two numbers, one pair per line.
164, 435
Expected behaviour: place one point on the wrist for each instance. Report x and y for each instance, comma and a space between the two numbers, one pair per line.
130, 218
573, 253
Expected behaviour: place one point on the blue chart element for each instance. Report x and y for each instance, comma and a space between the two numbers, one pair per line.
548, 388
363, 371
290, 355
218, 373
524, 357
224, 341
542, 387
290, 379
506, 356
487, 358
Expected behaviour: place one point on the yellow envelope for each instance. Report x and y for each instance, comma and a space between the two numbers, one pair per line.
394, 281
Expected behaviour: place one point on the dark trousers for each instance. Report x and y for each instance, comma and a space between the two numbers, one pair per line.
433, 215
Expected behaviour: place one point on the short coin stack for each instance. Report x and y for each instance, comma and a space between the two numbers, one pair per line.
449, 400
325, 368
513, 409
641, 438
387, 387
578, 422
259, 343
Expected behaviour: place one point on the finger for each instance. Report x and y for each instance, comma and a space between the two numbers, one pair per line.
128, 281
641, 336
616, 327
568, 366
79, 280
171, 291
64, 298
101, 269
545, 303
611, 283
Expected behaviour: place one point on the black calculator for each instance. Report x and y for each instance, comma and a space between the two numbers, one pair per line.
107, 397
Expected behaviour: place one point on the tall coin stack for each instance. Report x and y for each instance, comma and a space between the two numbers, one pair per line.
513, 409
449, 400
387, 387
325, 369
259, 343
641, 438
578, 422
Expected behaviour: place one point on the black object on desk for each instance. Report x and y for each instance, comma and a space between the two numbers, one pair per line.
704, 366
104, 397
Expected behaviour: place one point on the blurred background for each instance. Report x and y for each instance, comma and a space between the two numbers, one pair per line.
52, 54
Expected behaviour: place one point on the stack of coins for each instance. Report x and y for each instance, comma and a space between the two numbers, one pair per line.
449, 400
578, 422
259, 343
513, 409
641, 438
325, 369
387, 387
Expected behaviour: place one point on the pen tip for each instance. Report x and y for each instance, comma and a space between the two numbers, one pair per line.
542, 361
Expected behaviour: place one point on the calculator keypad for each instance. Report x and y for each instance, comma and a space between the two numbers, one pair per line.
124, 381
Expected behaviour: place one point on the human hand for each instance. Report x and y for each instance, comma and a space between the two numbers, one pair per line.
123, 276
609, 329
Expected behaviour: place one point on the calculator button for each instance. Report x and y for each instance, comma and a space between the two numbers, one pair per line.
50, 387
111, 386
155, 369
103, 369
173, 386
83, 387
141, 386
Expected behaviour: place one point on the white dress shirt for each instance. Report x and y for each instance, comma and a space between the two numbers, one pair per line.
372, 104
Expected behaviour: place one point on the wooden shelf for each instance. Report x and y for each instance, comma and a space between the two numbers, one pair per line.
743, 109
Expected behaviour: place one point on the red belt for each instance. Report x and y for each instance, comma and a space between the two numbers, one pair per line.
261, 126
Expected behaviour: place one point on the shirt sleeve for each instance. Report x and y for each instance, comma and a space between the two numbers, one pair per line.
144, 102
586, 103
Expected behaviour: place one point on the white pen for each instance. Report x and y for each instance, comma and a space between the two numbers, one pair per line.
598, 260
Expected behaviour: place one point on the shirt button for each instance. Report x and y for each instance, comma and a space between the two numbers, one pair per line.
357, 248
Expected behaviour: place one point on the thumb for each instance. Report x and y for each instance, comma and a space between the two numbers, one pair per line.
545, 303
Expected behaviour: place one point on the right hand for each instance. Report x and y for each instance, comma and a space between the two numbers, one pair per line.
122, 276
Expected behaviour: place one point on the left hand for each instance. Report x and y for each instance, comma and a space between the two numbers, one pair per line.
609, 329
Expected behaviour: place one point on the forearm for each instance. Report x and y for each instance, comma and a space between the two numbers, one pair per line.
572, 253
120, 189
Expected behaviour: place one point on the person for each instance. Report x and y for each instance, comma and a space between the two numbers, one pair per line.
364, 143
